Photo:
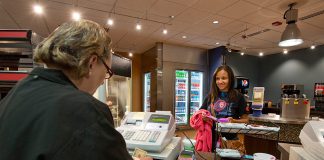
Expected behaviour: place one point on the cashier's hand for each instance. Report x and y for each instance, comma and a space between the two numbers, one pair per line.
204, 118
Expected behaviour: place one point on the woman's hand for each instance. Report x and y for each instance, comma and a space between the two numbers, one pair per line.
230, 119
205, 119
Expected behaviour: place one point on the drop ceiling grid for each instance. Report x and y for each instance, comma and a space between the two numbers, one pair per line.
166, 8
239, 10
136, 5
96, 5
192, 16
214, 6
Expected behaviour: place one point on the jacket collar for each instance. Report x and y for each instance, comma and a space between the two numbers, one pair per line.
53, 75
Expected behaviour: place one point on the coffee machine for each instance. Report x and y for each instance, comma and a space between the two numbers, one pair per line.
294, 103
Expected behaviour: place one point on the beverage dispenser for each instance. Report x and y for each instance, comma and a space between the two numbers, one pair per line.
294, 103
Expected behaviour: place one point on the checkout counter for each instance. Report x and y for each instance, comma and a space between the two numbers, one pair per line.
152, 132
294, 114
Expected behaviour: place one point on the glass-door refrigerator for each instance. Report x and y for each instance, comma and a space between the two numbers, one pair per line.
188, 94
147, 88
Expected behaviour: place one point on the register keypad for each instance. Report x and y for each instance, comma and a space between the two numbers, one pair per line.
154, 136
141, 135
129, 134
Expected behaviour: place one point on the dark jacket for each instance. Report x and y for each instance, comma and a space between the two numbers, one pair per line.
46, 117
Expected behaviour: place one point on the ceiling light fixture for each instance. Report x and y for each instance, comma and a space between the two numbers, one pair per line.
110, 21
38, 9
312, 47
242, 53
215, 22
291, 35
76, 16
285, 51
261, 54
165, 31
130, 54
138, 26
184, 37
217, 43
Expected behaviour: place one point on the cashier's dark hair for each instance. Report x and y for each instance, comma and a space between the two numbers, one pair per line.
70, 46
214, 90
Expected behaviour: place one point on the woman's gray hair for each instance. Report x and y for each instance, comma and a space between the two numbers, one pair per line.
70, 46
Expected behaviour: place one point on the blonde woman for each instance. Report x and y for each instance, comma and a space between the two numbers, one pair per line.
52, 114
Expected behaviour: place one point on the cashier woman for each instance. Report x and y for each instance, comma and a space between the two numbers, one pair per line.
223, 101
51, 114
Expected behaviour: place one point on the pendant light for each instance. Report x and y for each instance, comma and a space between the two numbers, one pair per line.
291, 35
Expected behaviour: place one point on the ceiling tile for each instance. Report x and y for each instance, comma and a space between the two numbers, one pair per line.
263, 3
129, 13
271, 36
268, 25
192, 16
232, 15
256, 43
220, 34
178, 37
184, 2
178, 26
239, 10
214, 6
158, 35
198, 29
317, 21
261, 15
5, 21
302, 5
159, 19
309, 31
137, 5
166, 8
100, 6
208, 22
204, 40
236, 27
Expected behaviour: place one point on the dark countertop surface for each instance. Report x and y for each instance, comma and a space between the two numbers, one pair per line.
277, 119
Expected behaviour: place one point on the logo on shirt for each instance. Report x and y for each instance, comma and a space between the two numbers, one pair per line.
219, 105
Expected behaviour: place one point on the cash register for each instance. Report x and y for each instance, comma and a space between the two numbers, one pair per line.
152, 132
312, 140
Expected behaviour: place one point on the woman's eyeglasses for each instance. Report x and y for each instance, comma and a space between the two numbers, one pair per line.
109, 73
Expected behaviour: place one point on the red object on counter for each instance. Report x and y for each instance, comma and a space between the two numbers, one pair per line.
305, 101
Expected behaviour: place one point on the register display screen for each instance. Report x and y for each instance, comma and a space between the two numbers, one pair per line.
158, 118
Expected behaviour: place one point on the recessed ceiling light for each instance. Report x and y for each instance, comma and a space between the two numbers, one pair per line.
313, 47
184, 37
130, 54
76, 16
38, 9
285, 51
215, 22
217, 43
110, 22
165, 31
138, 26
261, 54
242, 53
